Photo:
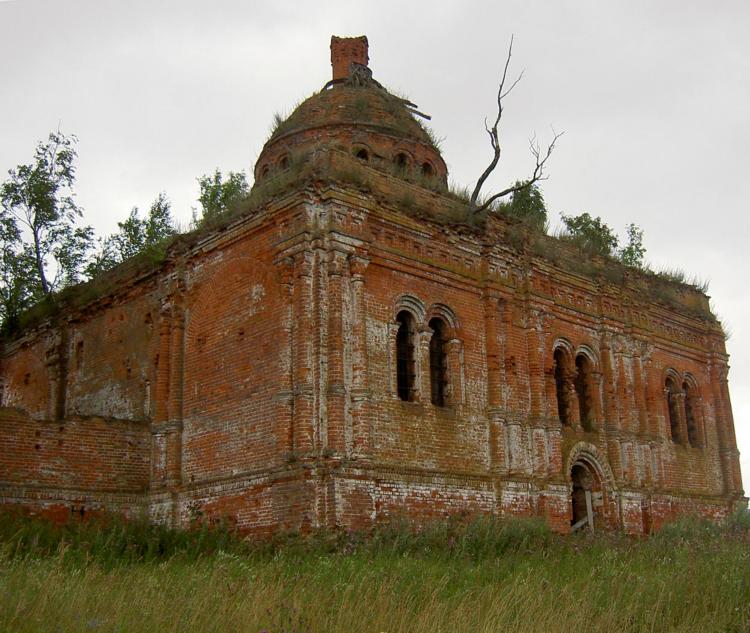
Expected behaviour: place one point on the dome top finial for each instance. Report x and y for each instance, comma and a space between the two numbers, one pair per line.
346, 51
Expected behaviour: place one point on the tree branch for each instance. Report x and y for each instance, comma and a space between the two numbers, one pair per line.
493, 131
39, 261
540, 159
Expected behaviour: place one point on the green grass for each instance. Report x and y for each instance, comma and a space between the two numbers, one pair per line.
484, 575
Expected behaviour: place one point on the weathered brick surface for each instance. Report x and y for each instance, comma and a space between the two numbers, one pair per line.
84, 453
253, 376
26, 384
72, 467
232, 368
98, 386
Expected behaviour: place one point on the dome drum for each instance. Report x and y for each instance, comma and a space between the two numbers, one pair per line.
354, 113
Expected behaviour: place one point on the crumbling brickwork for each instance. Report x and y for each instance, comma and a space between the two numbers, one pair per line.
347, 351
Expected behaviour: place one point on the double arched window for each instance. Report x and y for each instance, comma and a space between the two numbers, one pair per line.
575, 388
683, 408
409, 365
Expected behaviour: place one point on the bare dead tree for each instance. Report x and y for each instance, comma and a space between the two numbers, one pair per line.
540, 156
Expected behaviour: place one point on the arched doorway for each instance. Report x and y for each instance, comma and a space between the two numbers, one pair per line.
586, 497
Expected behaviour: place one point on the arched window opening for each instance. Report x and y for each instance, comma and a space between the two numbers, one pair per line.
674, 419
438, 363
427, 170
401, 161
405, 367
284, 162
692, 428
264, 172
79, 355
584, 391
560, 386
363, 155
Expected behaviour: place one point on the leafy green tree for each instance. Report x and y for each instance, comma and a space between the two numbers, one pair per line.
43, 249
591, 234
16, 269
217, 195
527, 204
135, 235
632, 253
159, 223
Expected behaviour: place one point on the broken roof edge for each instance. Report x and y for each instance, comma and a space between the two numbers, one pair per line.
444, 210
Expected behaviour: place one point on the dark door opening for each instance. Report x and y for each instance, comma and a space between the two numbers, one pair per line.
582, 498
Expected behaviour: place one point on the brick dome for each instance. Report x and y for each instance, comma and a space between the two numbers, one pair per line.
355, 113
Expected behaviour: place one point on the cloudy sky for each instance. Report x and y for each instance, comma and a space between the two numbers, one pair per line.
652, 96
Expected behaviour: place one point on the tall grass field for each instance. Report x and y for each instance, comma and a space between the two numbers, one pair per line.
454, 576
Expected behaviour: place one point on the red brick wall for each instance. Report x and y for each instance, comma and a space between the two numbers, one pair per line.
255, 379
26, 380
83, 454
234, 343
111, 361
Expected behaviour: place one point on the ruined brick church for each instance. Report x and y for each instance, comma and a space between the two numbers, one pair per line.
351, 346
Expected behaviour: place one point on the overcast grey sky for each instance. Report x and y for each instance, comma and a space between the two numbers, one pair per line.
652, 96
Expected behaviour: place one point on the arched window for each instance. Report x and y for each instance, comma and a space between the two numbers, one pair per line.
438, 363
692, 428
584, 391
284, 162
405, 369
427, 170
674, 418
401, 161
362, 155
264, 172
560, 386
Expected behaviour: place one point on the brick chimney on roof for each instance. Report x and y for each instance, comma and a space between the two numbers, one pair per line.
345, 51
